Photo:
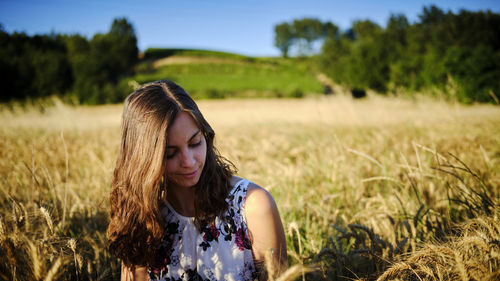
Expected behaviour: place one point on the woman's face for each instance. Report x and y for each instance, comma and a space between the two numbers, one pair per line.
186, 152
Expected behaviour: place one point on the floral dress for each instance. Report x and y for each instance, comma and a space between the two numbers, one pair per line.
221, 251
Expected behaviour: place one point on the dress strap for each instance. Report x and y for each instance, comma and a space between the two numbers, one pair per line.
243, 183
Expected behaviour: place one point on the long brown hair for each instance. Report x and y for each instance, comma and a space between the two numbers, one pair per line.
138, 188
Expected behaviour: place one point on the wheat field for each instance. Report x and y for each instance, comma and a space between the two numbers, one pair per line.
366, 189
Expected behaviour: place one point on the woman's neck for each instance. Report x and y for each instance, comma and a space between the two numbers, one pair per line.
182, 200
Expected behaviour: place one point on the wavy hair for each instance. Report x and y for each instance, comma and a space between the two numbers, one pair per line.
139, 187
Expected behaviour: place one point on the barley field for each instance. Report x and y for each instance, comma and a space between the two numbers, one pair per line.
381, 188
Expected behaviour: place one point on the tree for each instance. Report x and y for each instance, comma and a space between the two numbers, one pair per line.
330, 30
306, 31
302, 33
33, 66
123, 45
42, 65
365, 29
283, 37
368, 65
334, 51
51, 66
396, 30
463, 48
101, 63
432, 16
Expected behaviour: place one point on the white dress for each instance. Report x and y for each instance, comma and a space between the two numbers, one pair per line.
221, 251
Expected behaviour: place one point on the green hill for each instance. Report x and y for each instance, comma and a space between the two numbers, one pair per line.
159, 53
212, 74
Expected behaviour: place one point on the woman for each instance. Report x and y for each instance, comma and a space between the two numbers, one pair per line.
178, 212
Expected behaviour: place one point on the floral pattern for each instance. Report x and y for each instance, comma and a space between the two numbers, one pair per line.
221, 250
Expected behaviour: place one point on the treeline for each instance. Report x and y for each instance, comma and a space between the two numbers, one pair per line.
71, 66
442, 52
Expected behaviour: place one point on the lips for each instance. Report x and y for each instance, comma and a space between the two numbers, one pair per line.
190, 174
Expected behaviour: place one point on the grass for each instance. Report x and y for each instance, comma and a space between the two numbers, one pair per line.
232, 76
157, 53
473, 255
363, 187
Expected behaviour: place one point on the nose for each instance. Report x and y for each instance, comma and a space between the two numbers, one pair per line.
187, 159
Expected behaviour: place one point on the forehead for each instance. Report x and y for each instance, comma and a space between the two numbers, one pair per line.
182, 128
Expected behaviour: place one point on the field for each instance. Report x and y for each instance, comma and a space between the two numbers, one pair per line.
223, 75
361, 185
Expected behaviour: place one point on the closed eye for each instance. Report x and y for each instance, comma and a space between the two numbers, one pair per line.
171, 155
195, 144
192, 145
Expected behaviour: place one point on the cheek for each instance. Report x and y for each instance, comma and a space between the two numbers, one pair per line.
169, 166
202, 153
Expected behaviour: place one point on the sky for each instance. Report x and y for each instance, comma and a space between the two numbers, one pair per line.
244, 27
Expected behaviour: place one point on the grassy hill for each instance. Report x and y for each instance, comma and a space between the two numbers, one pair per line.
212, 74
159, 53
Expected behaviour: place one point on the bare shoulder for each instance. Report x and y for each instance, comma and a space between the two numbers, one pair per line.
258, 201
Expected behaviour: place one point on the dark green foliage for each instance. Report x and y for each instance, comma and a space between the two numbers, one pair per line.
458, 54
360, 58
33, 66
44, 65
283, 37
476, 70
103, 61
302, 33
306, 31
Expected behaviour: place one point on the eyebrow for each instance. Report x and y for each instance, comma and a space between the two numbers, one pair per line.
190, 139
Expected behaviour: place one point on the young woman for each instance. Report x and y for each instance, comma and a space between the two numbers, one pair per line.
178, 212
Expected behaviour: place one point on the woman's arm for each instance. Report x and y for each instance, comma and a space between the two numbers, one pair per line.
134, 274
265, 229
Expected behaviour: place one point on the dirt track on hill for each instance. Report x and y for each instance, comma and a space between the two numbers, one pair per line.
187, 60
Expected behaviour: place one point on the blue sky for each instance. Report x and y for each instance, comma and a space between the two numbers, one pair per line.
245, 27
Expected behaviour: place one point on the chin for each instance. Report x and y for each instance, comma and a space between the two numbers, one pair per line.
187, 183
